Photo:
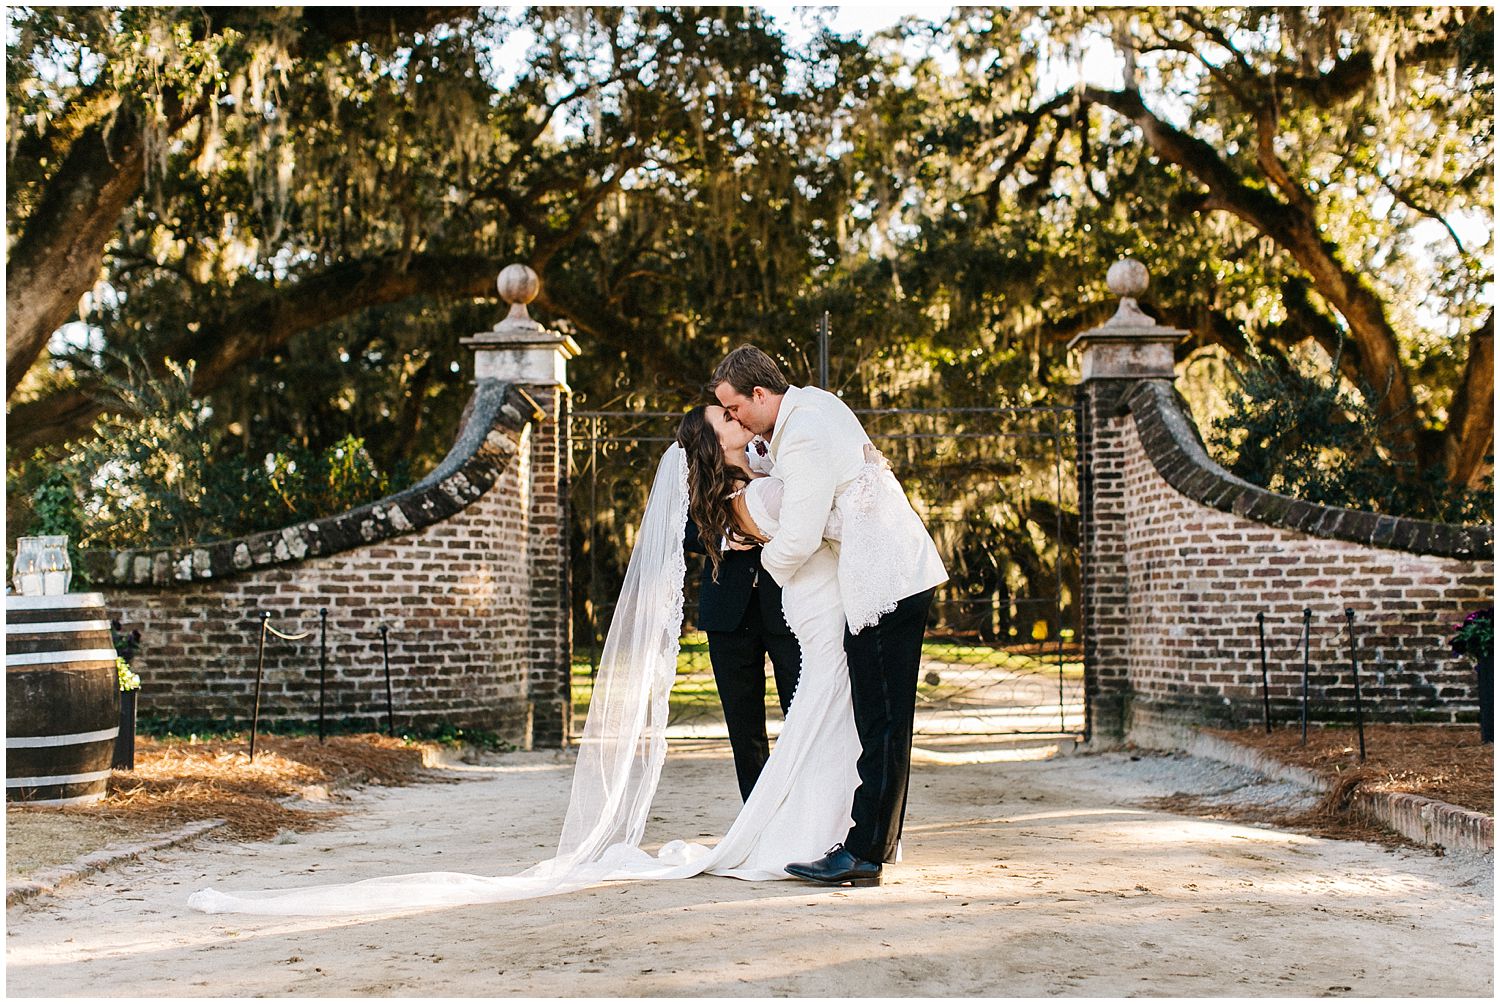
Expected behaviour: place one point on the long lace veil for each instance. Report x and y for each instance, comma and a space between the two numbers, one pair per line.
619, 758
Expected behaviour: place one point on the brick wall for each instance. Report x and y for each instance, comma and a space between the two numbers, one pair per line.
1180, 556
550, 635
1101, 501
455, 566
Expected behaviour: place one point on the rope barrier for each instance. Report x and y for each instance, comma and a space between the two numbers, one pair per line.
288, 637
382, 633
333, 632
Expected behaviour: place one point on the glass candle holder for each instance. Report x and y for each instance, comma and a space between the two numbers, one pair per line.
56, 567
26, 572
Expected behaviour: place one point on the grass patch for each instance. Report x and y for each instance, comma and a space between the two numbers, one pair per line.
187, 729
1031, 660
694, 694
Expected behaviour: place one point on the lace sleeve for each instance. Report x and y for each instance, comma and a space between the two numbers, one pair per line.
876, 536
763, 504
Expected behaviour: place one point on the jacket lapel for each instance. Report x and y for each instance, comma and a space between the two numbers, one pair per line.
790, 402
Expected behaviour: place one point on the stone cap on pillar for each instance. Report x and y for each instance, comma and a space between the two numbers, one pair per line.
1130, 345
518, 349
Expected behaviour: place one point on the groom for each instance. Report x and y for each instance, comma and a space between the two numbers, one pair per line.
818, 447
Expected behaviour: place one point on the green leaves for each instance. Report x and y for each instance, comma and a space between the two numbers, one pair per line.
686, 179
153, 473
1301, 432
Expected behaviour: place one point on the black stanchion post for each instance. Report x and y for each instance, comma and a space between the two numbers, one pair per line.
1265, 681
260, 666
322, 673
823, 352
1359, 704
1484, 669
1306, 664
390, 705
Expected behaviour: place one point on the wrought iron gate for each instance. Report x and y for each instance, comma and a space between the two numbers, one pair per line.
997, 489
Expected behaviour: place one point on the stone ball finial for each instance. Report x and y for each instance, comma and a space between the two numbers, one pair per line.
1127, 277
518, 285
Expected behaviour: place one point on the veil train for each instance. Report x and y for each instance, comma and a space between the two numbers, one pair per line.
620, 756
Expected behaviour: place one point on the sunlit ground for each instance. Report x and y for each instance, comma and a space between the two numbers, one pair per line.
1025, 873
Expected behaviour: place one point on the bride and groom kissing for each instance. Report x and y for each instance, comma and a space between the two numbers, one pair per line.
857, 571
791, 471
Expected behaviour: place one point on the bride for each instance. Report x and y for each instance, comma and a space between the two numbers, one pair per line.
800, 805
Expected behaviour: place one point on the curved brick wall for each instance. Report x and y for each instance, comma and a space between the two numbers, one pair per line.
450, 565
1181, 556
1171, 441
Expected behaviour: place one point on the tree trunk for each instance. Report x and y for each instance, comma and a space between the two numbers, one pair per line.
1470, 434
60, 254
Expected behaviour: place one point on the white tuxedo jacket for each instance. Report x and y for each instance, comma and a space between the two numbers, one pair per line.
819, 449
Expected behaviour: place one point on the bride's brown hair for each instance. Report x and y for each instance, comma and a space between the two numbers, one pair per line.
710, 483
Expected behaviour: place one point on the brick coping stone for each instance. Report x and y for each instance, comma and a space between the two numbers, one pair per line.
1176, 450
488, 437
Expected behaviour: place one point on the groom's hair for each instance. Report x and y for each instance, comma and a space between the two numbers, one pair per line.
747, 368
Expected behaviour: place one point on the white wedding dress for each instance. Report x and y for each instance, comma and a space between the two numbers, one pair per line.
798, 809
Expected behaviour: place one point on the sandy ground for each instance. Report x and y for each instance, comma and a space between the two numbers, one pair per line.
1040, 878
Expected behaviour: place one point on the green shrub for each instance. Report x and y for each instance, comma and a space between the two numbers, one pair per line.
55, 510
155, 471
1305, 434
294, 484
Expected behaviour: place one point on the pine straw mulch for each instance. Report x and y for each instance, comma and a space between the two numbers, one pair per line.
1444, 762
177, 781
1447, 763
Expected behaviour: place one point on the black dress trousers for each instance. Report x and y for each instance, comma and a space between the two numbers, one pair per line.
741, 614
884, 660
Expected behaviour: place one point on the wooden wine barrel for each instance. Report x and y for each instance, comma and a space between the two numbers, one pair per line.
61, 699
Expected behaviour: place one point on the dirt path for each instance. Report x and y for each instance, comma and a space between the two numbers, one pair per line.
1022, 878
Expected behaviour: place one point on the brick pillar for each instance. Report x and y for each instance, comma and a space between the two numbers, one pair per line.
1128, 347
523, 352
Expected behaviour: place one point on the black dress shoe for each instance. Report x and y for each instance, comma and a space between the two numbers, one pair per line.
837, 867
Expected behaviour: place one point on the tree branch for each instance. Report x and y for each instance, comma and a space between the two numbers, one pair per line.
261, 322
1432, 214
1029, 121
88, 108
1296, 231
1270, 162
554, 240
1348, 78
58, 254
264, 320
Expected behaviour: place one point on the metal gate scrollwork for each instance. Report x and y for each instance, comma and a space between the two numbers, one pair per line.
997, 489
